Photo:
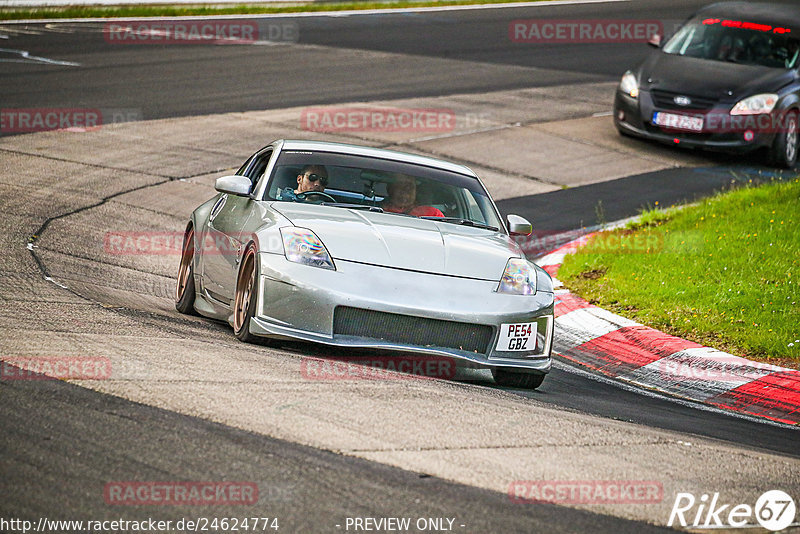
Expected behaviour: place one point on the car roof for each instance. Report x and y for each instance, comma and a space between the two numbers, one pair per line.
774, 14
380, 153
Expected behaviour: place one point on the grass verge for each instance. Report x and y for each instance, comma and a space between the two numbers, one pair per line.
723, 273
133, 11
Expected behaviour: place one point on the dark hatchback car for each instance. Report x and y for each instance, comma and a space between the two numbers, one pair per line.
727, 80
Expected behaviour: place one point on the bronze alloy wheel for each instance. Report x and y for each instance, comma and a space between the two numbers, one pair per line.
185, 270
245, 299
184, 290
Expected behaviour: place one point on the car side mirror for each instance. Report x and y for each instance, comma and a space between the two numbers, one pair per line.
519, 225
234, 185
655, 40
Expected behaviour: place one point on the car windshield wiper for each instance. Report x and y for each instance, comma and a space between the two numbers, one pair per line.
462, 222
352, 206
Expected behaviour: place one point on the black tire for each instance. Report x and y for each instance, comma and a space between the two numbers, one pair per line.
511, 379
184, 290
783, 152
246, 297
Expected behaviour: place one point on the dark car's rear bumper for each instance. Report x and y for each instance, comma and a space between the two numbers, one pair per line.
634, 117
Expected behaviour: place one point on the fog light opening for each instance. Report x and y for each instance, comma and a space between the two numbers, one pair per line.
749, 135
621, 115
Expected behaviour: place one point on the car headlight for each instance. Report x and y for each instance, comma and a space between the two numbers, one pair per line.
519, 278
755, 105
628, 85
301, 245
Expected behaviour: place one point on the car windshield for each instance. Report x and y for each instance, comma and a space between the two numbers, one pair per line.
735, 41
367, 183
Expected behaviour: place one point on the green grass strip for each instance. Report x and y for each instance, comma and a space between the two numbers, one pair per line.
724, 273
74, 12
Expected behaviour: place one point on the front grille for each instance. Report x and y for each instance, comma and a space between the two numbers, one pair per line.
665, 100
410, 330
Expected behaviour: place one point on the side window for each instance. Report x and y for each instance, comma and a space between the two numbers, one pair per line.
243, 168
256, 172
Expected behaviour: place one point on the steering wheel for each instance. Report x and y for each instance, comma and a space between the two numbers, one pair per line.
324, 196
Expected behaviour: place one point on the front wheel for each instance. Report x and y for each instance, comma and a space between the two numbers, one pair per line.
512, 379
185, 291
783, 152
244, 303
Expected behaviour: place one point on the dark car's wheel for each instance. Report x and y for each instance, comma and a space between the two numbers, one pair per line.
512, 379
185, 292
244, 303
783, 152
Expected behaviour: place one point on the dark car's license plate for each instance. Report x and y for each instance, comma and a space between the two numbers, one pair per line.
674, 121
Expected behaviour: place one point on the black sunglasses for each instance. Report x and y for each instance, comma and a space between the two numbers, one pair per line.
314, 177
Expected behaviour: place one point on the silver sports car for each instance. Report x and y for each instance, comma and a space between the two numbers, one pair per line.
367, 248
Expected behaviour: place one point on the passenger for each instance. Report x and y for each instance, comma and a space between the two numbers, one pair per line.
312, 178
403, 198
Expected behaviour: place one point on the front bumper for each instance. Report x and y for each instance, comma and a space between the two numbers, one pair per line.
299, 302
634, 117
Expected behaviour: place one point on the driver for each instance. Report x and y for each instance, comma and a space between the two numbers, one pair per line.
313, 178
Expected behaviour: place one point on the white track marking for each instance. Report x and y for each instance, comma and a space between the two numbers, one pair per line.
26, 57
18, 31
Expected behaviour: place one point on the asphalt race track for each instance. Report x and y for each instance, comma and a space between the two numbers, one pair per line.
344, 59
187, 402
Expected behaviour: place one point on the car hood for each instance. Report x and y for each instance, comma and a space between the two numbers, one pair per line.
708, 78
401, 242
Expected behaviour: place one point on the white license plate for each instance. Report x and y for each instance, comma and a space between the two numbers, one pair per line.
517, 337
674, 121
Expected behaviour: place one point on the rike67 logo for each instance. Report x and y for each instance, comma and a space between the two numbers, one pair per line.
774, 510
